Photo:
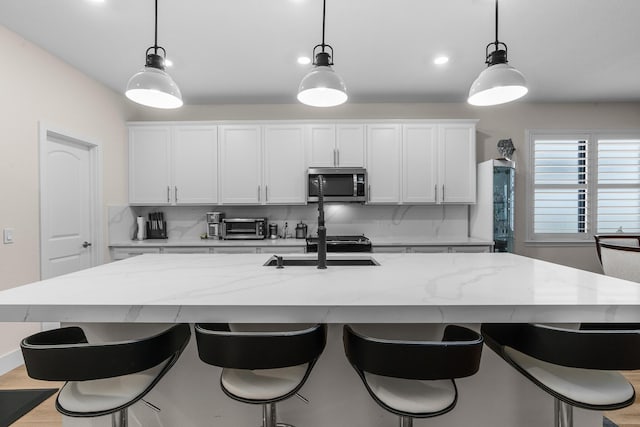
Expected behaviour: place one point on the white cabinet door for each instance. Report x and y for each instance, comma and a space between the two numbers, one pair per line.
340, 145
383, 163
457, 163
419, 163
350, 146
428, 249
240, 165
321, 145
284, 164
195, 165
149, 165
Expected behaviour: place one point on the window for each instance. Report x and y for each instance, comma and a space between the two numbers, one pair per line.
581, 184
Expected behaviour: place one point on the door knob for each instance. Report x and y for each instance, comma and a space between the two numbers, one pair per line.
86, 244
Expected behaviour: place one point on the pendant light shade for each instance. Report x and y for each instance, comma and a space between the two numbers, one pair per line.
499, 83
152, 86
322, 87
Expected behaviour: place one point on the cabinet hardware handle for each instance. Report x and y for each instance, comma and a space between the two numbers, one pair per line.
266, 193
258, 193
168, 194
335, 163
442, 193
435, 189
175, 190
337, 157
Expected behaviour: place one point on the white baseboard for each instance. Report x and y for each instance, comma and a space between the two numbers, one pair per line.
10, 360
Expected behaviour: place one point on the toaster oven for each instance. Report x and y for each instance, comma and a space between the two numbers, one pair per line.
243, 228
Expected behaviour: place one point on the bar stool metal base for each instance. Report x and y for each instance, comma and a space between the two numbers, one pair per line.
269, 418
406, 421
120, 418
563, 414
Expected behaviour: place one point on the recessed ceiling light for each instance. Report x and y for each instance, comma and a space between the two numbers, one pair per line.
304, 60
97, 1
441, 60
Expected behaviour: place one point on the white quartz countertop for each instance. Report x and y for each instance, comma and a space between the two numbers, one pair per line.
405, 288
209, 242
375, 241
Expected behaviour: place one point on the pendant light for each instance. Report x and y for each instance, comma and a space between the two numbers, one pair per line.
152, 86
322, 87
499, 82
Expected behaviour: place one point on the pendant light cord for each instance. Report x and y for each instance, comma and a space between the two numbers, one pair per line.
155, 40
496, 42
324, 10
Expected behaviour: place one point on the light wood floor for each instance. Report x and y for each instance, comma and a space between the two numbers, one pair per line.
43, 415
46, 414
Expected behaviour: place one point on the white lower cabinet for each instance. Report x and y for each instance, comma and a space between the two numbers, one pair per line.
185, 250
471, 249
389, 249
124, 253
430, 249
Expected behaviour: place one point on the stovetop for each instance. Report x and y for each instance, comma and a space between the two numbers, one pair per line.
356, 239
355, 243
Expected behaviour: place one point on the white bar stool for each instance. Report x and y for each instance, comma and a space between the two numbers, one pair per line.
414, 379
261, 367
578, 367
104, 378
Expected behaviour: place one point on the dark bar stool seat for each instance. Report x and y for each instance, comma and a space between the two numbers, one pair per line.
261, 367
103, 378
414, 379
578, 367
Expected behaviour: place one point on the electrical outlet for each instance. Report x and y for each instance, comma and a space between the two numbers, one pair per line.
7, 236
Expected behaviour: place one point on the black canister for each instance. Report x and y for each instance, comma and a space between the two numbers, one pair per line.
273, 231
301, 230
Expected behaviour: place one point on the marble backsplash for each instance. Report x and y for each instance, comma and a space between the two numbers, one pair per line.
186, 223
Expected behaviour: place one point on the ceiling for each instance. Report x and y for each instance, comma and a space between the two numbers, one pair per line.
245, 51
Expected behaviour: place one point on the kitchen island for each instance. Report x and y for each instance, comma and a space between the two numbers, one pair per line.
411, 293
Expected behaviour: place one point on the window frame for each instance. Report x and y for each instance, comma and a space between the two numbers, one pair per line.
591, 137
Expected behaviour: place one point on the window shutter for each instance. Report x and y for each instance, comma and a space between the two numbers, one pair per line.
618, 185
560, 196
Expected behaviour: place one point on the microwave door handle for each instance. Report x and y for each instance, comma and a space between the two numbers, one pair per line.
355, 185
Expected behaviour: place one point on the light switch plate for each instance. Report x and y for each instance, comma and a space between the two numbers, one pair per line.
7, 235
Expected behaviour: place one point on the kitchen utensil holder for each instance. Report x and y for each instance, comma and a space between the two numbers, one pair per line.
159, 233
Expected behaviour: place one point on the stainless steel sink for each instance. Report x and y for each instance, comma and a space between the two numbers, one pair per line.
293, 261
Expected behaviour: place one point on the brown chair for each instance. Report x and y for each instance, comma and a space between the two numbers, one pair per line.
619, 255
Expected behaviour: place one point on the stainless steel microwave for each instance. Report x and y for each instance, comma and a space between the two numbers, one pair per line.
339, 184
244, 228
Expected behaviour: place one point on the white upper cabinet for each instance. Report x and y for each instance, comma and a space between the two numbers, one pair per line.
383, 163
420, 163
149, 165
439, 163
170, 166
457, 162
341, 145
284, 164
413, 162
240, 165
195, 165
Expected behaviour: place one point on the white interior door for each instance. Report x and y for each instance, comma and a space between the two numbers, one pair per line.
67, 214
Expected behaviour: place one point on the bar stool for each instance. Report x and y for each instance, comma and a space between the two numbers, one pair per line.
261, 367
414, 379
578, 367
104, 378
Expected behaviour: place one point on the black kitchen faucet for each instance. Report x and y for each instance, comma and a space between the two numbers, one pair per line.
322, 230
